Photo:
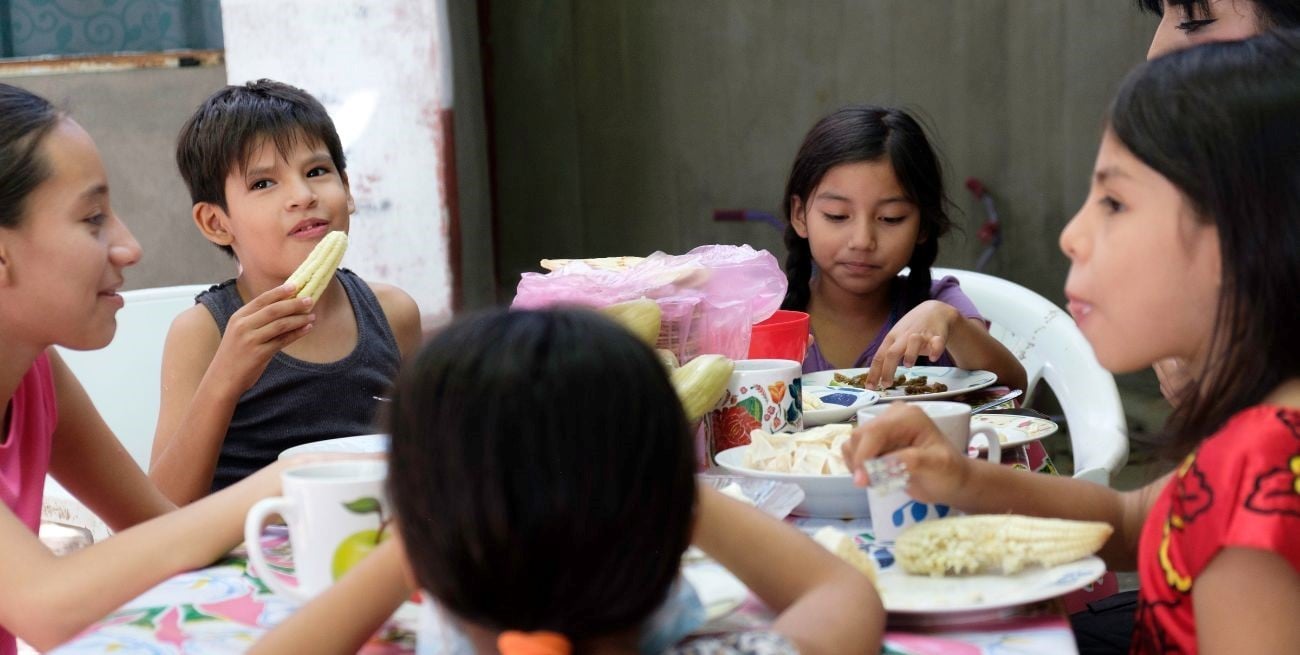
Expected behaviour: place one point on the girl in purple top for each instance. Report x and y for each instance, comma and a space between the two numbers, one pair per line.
864, 200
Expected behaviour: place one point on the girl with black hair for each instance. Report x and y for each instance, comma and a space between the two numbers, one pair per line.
864, 200
1187, 246
542, 475
1185, 23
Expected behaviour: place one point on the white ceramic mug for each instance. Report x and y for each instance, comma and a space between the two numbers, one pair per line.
336, 512
894, 511
762, 394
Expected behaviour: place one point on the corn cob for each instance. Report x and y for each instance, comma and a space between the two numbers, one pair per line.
701, 382
315, 273
640, 316
668, 357
841, 544
990, 543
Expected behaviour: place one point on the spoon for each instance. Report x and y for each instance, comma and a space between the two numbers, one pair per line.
1014, 393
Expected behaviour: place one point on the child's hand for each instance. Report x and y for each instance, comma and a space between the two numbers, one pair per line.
922, 331
936, 471
257, 331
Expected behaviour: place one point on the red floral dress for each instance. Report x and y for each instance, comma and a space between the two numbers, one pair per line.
1240, 489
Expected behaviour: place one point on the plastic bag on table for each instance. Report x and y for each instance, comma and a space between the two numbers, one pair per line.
710, 296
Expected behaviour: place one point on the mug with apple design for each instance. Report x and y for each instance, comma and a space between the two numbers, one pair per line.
762, 394
336, 512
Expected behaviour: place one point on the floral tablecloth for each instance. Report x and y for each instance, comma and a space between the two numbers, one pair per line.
224, 609
220, 609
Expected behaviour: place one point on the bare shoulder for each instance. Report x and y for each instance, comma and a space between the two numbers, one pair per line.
402, 313
193, 337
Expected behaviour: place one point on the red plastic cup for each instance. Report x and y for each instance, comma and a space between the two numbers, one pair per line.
784, 335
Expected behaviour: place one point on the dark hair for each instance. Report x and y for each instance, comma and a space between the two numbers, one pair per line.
542, 473
866, 133
1219, 121
25, 119
225, 130
1272, 13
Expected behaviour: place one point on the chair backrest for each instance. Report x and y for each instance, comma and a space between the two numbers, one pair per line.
123, 379
1053, 350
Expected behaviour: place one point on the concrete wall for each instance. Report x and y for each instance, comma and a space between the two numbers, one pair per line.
134, 116
621, 125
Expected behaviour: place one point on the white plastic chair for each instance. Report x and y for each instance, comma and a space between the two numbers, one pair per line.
1052, 349
123, 379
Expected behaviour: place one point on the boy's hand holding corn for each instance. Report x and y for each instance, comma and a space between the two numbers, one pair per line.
261, 328
937, 472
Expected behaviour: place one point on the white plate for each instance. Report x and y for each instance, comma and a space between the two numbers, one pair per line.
776, 498
362, 443
825, 496
958, 380
1012, 430
719, 591
903, 593
839, 404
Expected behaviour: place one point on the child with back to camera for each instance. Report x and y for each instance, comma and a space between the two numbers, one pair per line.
252, 370
864, 200
545, 514
1186, 247
62, 255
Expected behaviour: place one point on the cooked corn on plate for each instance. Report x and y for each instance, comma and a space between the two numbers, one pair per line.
995, 543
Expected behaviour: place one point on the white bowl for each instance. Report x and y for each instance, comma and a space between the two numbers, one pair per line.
361, 443
839, 404
825, 496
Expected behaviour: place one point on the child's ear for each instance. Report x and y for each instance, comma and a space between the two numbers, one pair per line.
798, 217
347, 188
213, 222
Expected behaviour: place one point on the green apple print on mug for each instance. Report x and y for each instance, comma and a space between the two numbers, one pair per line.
359, 544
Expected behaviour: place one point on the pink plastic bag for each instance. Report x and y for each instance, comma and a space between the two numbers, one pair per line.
709, 296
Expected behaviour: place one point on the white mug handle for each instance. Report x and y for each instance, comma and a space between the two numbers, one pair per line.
253, 541
990, 435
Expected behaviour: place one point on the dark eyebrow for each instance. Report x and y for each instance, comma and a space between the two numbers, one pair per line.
95, 192
828, 195
1109, 172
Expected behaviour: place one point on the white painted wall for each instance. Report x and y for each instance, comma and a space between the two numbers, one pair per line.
382, 69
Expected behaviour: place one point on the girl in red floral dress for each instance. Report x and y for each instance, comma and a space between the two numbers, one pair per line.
1188, 246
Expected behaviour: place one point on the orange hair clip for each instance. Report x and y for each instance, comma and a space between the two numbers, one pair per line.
516, 642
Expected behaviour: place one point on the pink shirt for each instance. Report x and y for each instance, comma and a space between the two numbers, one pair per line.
25, 452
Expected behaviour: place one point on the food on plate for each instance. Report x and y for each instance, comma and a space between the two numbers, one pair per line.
993, 543
641, 316
733, 490
836, 541
315, 272
910, 386
598, 263
816, 451
811, 402
701, 382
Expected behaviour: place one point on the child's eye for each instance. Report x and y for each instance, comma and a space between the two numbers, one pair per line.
1112, 205
1191, 26
260, 184
97, 220
318, 171
893, 220
835, 217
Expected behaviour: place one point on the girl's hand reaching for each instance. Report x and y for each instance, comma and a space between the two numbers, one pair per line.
922, 331
936, 471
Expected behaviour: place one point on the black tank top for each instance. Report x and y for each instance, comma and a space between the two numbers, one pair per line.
297, 402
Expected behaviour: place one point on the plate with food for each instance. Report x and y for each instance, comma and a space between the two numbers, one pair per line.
980, 563
810, 459
910, 383
362, 443
822, 404
1013, 430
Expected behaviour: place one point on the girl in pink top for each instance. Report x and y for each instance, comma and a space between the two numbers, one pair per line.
62, 253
